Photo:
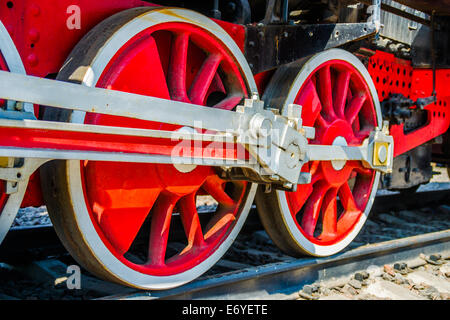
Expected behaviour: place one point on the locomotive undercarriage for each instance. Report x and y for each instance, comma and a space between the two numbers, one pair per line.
302, 98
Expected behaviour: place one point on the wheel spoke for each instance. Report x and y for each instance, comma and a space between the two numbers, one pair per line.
355, 107
176, 76
329, 214
222, 218
310, 101
314, 167
119, 227
341, 93
351, 211
137, 64
347, 199
230, 102
358, 168
312, 207
191, 221
298, 198
321, 122
325, 91
204, 78
363, 134
159, 232
214, 187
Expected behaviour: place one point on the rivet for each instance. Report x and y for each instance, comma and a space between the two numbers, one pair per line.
33, 60
35, 10
33, 35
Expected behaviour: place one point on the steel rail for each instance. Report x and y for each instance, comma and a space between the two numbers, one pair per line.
283, 280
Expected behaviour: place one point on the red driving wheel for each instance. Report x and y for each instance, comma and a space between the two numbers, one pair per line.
110, 207
339, 100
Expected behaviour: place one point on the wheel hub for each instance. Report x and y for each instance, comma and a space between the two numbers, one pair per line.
339, 164
338, 133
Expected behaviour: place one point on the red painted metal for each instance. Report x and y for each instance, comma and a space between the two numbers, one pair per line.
74, 141
179, 62
44, 47
336, 101
39, 29
45, 31
393, 75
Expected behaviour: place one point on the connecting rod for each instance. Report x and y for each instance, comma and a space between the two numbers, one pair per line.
278, 145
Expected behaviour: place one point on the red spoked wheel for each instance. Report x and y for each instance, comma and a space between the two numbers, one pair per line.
340, 101
9, 203
119, 220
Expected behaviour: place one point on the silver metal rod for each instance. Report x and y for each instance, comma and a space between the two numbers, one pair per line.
335, 152
120, 157
96, 100
107, 130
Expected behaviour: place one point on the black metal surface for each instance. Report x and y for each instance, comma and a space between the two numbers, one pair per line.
236, 11
215, 12
400, 13
422, 50
410, 169
23, 244
269, 46
441, 7
404, 201
398, 109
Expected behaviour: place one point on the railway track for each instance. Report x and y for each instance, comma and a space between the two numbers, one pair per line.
412, 232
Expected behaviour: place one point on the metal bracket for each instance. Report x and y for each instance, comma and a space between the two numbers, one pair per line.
269, 46
13, 175
11, 185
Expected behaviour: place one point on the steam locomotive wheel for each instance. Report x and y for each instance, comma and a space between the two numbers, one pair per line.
9, 203
102, 210
339, 99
